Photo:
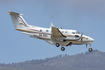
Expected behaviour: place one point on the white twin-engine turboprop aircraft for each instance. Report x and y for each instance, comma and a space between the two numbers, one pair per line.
52, 35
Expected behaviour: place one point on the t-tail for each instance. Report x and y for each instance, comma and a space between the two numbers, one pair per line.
17, 20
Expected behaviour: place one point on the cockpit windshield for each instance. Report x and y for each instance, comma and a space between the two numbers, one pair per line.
77, 32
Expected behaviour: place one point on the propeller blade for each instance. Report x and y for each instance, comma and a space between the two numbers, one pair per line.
81, 37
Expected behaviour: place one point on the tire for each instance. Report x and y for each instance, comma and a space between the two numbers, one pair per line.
62, 48
57, 44
90, 49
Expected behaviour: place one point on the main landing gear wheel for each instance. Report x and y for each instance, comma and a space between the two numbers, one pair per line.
57, 44
62, 48
90, 49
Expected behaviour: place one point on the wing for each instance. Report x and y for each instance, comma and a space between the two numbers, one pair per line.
56, 34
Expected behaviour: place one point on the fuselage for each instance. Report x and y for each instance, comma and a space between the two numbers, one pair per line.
52, 35
45, 34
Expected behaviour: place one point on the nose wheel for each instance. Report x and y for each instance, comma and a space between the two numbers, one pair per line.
90, 49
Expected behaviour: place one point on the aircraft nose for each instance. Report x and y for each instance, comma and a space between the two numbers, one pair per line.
91, 39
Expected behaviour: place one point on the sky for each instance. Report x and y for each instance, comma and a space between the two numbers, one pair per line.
85, 16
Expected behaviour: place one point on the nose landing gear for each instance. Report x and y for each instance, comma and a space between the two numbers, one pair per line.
90, 49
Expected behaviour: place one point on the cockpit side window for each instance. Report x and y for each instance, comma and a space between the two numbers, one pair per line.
73, 32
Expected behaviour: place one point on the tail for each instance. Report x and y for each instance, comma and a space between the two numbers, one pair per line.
17, 20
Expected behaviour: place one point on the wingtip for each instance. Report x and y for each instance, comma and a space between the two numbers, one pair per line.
52, 25
8, 12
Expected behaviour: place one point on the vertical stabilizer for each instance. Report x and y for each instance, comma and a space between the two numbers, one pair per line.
17, 20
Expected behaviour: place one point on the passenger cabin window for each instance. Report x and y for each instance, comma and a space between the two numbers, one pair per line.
46, 30
40, 30
66, 32
62, 31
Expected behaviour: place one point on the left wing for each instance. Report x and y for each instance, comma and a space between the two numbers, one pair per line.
56, 33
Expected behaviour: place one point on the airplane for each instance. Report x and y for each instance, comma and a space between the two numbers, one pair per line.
53, 35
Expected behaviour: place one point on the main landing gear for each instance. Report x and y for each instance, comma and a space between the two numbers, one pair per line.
57, 45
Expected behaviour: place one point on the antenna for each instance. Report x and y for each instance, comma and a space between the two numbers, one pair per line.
60, 27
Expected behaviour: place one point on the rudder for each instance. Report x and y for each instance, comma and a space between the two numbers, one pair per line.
17, 20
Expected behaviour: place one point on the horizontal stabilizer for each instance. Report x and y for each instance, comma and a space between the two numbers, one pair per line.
13, 13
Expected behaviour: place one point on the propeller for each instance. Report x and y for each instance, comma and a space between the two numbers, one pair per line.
81, 37
60, 27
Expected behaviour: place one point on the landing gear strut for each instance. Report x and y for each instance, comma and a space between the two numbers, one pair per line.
90, 49
62, 48
69, 44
